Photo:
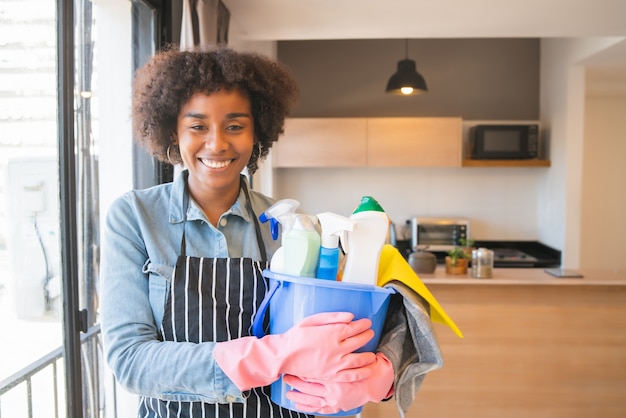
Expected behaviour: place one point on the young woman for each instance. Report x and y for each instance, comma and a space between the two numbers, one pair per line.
181, 262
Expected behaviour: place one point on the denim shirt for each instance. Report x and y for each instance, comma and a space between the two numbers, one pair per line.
140, 245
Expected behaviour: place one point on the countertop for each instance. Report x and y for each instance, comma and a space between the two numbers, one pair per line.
529, 276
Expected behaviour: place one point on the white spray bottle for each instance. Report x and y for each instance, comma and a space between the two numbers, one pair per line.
365, 242
274, 212
280, 213
334, 231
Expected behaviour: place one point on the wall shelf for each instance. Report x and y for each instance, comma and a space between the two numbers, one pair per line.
506, 163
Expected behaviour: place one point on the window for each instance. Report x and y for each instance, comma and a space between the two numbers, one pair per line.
40, 168
30, 286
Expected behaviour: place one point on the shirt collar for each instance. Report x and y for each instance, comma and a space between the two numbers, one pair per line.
177, 214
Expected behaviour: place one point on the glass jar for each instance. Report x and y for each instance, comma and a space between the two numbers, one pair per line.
482, 263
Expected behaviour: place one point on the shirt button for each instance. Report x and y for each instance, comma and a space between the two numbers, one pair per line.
223, 221
230, 398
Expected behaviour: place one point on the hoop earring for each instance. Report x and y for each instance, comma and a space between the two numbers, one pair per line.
259, 147
168, 155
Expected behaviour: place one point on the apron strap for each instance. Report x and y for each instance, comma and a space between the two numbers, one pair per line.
257, 227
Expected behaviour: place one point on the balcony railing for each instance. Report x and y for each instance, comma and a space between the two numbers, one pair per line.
49, 392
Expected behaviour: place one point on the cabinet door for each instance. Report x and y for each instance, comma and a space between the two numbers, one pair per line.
414, 142
322, 142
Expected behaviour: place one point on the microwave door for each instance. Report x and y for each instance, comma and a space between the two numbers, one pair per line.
503, 143
436, 237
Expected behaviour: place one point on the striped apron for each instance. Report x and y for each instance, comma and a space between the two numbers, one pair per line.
215, 299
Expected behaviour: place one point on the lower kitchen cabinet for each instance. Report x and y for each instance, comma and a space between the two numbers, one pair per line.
534, 346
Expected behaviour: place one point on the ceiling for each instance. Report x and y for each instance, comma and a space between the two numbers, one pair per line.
369, 19
272, 20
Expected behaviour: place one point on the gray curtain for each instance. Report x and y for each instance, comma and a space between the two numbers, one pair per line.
204, 22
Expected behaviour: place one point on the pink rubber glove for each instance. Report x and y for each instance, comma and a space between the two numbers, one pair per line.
319, 347
330, 397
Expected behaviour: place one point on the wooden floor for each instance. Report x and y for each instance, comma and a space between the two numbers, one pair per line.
528, 351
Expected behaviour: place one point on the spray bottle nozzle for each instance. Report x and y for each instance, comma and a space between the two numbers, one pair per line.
334, 229
274, 212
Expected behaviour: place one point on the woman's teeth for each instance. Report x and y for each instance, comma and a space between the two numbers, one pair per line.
215, 164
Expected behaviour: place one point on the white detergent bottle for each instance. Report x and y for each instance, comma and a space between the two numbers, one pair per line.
365, 242
301, 247
334, 230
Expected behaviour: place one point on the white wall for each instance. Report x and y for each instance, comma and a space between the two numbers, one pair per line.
114, 65
114, 138
562, 105
500, 202
603, 208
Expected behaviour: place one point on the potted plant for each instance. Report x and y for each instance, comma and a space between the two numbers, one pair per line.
458, 257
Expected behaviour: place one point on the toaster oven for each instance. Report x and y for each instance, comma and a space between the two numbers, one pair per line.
439, 234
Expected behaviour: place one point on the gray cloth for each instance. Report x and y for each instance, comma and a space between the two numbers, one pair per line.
409, 342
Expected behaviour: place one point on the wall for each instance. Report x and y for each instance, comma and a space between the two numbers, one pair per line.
603, 202
475, 79
113, 57
499, 202
471, 78
114, 82
562, 115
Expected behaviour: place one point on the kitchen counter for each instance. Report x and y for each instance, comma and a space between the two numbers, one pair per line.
528, 276
534, 346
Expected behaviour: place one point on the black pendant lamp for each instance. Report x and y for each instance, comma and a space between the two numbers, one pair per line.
406, 81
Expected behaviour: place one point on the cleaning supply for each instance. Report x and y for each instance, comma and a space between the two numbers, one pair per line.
277, 263
276, 211
365, 242
301, 246
393, 267
291, 299
334, 230
280, 213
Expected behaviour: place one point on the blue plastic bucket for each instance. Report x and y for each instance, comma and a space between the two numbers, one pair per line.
290, 299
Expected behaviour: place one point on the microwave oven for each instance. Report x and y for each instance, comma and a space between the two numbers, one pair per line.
504, 142
439, 234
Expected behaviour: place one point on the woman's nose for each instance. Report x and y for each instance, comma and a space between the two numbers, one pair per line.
216, 140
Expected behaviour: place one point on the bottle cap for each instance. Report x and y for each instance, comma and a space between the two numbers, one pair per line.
368, 203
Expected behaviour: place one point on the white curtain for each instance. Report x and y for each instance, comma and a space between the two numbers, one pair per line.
204, 22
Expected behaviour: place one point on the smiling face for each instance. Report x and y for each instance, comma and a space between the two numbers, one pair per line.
215, 134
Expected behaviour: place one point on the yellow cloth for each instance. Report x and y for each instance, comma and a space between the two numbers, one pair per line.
392, 266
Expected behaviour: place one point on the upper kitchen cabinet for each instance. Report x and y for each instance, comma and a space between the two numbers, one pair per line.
414, 142
370, 142
322, 142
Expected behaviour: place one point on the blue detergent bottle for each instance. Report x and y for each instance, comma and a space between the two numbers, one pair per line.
334, 231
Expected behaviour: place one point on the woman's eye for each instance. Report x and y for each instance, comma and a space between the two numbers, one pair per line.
234, 127
197, 127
